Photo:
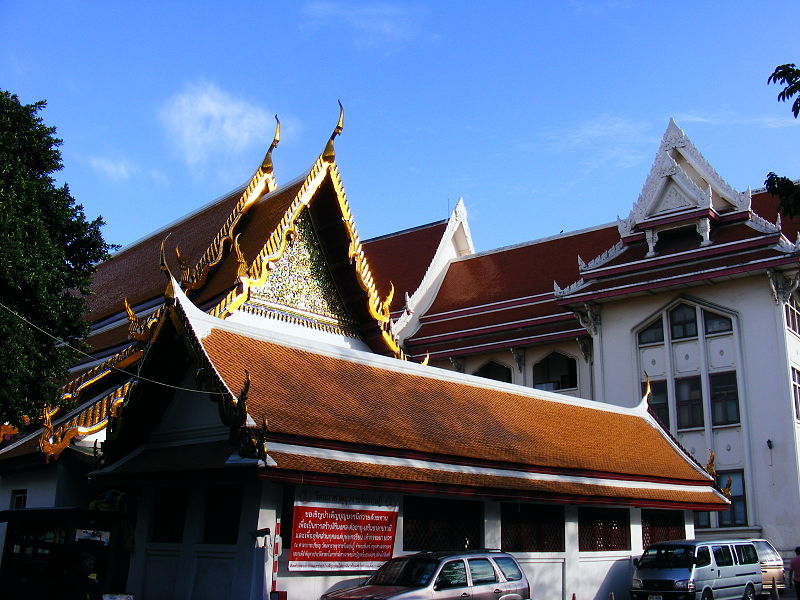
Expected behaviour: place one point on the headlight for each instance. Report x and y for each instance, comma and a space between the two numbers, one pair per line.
685, 584
636, 584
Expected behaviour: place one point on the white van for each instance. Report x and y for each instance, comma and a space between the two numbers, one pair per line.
697, 570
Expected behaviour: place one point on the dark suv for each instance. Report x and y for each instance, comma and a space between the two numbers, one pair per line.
477, 574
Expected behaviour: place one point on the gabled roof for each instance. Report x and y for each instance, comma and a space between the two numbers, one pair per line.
504, 298
331, 412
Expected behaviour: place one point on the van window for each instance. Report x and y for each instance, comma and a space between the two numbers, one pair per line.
509, 568
481, 570
703, 556
746, 554
722, 555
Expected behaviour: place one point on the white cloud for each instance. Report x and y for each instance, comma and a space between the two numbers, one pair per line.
117, 170
206, 124
372, 25
767, 122
606, 141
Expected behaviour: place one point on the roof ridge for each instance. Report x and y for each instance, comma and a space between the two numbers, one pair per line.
405, 231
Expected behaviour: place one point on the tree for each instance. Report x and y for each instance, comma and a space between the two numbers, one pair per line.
47, 254
787, 192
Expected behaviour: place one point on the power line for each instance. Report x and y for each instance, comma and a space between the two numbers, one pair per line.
87, 355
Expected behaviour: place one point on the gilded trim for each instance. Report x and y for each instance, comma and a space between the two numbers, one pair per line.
141, 330
92, 419
263, 182
122, 359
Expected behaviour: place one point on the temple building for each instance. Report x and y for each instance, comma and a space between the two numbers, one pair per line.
273, 407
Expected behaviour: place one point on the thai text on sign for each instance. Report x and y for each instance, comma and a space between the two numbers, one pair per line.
342, 531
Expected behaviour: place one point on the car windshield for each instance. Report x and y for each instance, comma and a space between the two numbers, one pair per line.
405, 571
667, 557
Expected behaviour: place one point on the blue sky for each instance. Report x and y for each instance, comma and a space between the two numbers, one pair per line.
543, 115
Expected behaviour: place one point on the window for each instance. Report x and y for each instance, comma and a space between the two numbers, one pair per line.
796, 391
736, 515
531, 527
481, 571
452, 575
792, 310
19, 499
439, 524
223, 509
703, 556
509, 568
715, 323
658, 400
169, 514
722, 556
555, 372
689, 400
601, 529
702, 520
724, 398
683, 322
746, 553
652, 334
662, 525
494, 370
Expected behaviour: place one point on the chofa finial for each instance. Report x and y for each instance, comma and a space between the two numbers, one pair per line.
266, 164
330, 154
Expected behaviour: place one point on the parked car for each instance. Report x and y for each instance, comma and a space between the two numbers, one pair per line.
476, 574
698, 570
771, 565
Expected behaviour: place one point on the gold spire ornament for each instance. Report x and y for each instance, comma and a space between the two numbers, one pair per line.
330, 154
266, 164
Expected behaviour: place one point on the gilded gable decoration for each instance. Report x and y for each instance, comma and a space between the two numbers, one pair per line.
141, 330
262, 182
300, 289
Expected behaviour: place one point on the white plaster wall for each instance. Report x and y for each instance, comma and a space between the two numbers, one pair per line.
765, 396
41, 485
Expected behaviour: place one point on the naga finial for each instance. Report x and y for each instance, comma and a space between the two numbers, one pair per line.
266, 164
241, 269
330, 154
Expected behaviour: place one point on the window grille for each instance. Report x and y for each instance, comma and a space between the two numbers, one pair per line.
796, 391
724, 398
19, 499
555, 372
683, 322
602, 529
531, 528
792, 309
662, 525
494, 370
715, 323
439, 524
652, 334
736, 515
658, 401
689, 394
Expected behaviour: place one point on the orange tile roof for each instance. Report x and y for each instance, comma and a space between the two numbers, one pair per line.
309, 395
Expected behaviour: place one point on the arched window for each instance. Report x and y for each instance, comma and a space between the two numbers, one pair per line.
683, 321
494, 370
555, 372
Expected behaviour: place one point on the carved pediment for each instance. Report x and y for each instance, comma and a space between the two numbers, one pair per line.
681, 179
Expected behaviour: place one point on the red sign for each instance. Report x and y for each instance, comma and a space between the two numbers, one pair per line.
334, 536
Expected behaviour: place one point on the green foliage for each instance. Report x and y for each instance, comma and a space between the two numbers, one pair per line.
787, 192
47, 255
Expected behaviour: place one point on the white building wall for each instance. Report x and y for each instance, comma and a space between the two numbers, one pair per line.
765, 396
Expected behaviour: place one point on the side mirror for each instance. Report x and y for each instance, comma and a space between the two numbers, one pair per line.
635, 562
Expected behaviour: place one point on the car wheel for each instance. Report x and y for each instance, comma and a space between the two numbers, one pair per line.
707, 595
749, 593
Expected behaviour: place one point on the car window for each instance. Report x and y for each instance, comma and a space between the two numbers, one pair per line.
766, 551
453, 574
722, 555
746, 554
481, 571
509, 568
703, 556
